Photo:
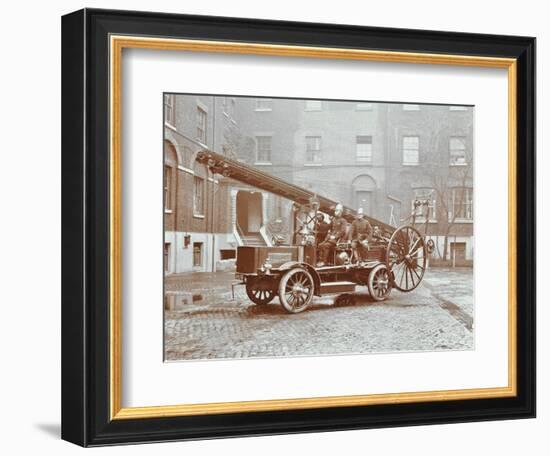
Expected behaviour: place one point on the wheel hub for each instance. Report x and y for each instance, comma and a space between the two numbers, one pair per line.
298, 290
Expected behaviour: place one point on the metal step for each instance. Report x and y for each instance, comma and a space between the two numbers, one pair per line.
337, 287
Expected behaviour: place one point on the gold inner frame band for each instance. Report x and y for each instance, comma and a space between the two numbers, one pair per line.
117, 44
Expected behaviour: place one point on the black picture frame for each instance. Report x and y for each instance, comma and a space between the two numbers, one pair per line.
85, 228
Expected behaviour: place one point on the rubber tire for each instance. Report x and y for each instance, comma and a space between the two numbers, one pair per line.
282, 290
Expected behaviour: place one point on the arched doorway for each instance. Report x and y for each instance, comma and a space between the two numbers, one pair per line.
249, 211
364, 193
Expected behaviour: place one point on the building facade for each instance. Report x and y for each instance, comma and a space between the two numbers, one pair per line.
379, 156
195, 230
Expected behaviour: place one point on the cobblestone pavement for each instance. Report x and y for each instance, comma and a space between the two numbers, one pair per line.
438, 315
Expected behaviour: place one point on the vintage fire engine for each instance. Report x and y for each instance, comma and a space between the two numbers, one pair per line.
397, 257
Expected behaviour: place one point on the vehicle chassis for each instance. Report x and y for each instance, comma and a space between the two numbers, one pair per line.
398, 262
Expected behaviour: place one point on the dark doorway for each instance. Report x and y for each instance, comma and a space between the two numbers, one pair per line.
364, 199
458, 253
249, 211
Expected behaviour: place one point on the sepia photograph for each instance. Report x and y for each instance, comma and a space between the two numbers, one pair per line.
314, 227
278, 227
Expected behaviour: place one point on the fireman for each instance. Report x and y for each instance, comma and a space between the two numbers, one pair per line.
361, 234
321, 228
337, 231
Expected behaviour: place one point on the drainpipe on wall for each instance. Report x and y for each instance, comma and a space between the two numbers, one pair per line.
213, 187
176, 254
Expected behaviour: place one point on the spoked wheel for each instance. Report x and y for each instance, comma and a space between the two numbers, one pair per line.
406, 258
379, 283
296, 290
261, 290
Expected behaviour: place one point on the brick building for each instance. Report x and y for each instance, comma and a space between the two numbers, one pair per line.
196, 230
380, 156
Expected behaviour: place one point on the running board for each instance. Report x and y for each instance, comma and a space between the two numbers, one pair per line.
337, 287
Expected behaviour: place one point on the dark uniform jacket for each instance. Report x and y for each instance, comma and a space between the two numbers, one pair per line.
361, 229
338, 227
322, 230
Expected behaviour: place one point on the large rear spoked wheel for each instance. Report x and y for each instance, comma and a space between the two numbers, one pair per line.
406, 256
296, 290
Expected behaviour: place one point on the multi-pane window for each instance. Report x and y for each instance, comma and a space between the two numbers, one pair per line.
198, 195
457, 150
313, 105
167, 187
201, 125
263, 151
264, 104
313, 149
169, 109
197, 254
424, 203
411, 147
411, 107
461, 204
363, 149
364, 107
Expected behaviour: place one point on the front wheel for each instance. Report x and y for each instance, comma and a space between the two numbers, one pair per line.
379, 283
296, 290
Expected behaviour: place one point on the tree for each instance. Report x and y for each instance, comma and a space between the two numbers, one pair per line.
449, 169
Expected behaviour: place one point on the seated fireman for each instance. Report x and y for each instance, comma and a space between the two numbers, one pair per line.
337, 232
321, 228
361, 234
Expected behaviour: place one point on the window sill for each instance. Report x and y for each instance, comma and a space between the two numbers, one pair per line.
263, 164
458, 164
199, 216
468, 221
313, 164
263, 109
170, 126
364, 162
167, 211
187, 170
420, 221
410, 164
